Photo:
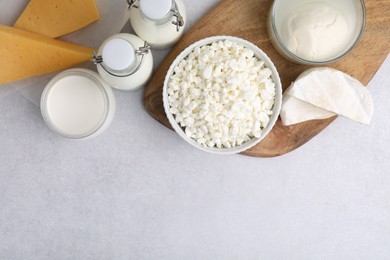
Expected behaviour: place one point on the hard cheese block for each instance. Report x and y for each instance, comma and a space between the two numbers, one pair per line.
25, 54
54, 18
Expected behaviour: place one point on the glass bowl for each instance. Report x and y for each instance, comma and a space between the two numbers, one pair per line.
353, 10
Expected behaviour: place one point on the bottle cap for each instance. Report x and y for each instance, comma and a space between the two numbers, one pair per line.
155, 9
118, 54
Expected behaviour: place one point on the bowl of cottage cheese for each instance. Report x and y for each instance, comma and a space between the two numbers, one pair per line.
222, 95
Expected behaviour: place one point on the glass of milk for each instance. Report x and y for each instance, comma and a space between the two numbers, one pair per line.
316, 32
78, 104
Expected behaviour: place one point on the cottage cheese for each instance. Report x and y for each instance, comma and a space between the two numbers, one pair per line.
222, 95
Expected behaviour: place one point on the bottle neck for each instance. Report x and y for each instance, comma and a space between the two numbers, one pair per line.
161, 20
158, 13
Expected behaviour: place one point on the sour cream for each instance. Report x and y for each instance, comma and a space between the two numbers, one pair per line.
316, 31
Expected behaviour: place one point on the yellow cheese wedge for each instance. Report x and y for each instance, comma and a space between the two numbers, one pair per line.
24, 54
54, 18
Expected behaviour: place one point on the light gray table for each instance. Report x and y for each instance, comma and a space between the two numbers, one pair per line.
139, 192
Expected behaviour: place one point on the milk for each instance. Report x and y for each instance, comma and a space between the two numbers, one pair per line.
77, 104
121, 66
152, 21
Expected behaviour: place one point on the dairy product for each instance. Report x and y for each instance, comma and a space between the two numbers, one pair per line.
77, 104
159, 22
222, 95
25, 54
127, 64
316, 31
54, 18
296, 111
331, 92
155, 9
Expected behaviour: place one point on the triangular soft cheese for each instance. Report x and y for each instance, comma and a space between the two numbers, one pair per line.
334, 91
296, 111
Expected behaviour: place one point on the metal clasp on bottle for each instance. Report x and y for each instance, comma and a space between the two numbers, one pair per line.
179, 22
142, 51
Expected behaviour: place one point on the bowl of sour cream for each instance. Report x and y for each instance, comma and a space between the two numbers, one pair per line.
316, 32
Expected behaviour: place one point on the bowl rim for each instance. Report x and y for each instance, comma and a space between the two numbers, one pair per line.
301, 60
276, 108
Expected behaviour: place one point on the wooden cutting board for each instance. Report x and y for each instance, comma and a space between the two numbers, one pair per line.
247, 19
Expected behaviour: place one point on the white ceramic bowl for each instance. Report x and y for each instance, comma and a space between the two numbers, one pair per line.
276, 108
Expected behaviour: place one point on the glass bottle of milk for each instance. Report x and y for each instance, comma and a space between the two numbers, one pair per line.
159, 22
124, 61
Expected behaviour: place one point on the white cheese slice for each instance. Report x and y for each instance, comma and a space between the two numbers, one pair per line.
330, 90
296, 111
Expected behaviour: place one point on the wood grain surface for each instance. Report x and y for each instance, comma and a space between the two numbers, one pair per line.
247, 19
